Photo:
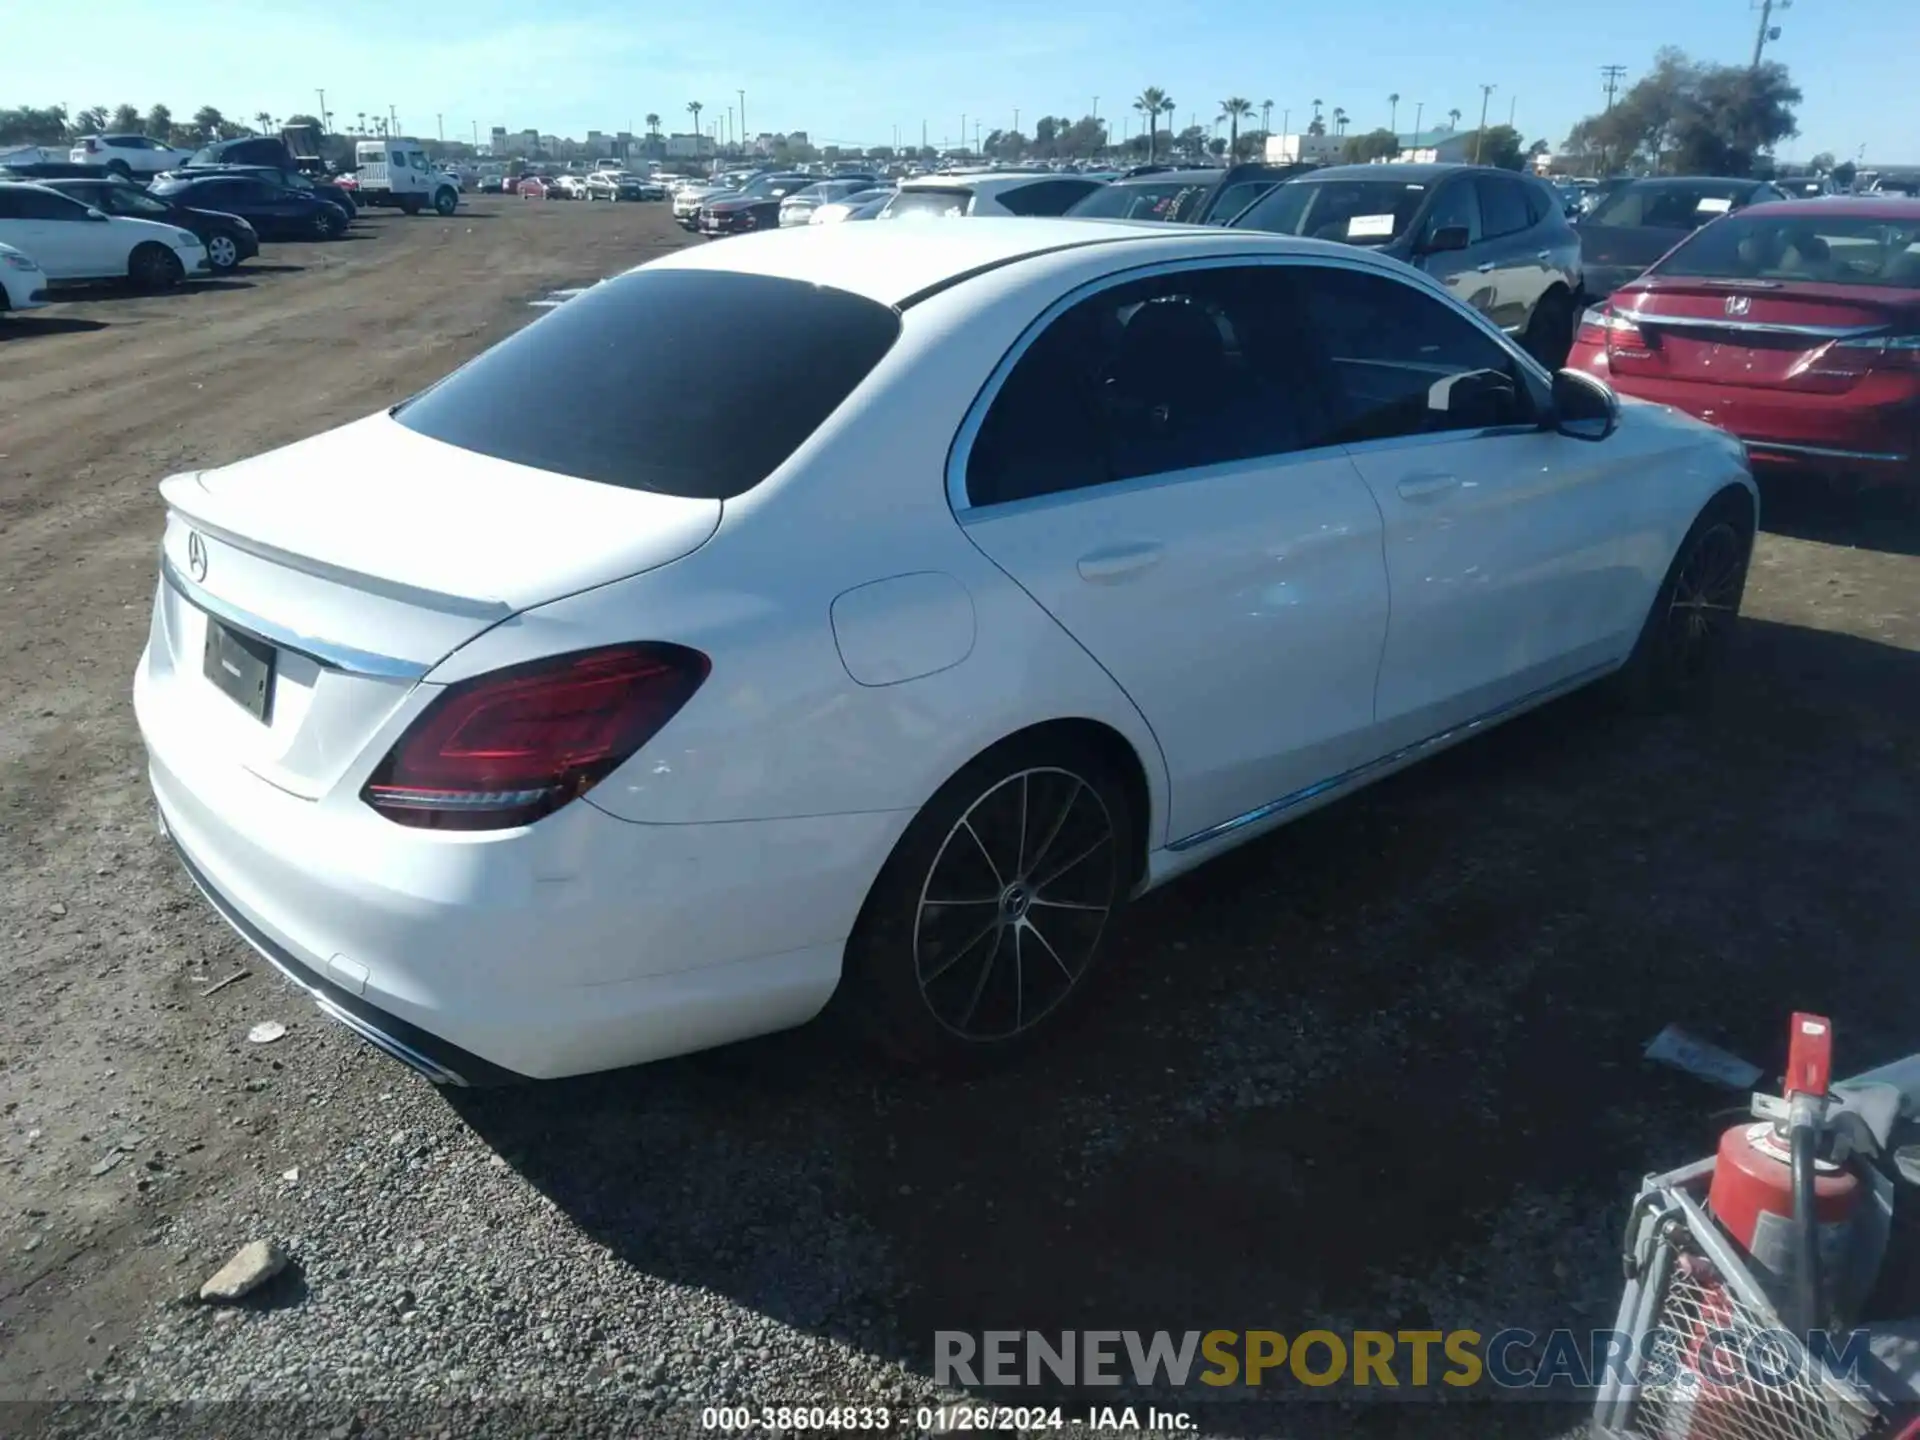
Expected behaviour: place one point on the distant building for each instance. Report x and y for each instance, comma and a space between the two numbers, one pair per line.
1437, 147
528, 142
689, 147
1303, 148
499, 145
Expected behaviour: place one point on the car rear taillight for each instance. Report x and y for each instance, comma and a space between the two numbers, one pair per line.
1866, 353
506, 748
1606, 327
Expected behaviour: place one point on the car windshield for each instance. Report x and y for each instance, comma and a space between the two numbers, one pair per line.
206, 155
1168, 197
1668, 205
1818, 249
630, 395
1361, 212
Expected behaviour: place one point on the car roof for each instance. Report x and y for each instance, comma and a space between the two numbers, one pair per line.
1163, 177
1397, 170
896, 262
985, 180
1864, 206
1667, 182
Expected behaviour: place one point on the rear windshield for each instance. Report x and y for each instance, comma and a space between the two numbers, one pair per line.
1172, 199
1361, 212
633, 384
929, 200
1668, 206
1820, 249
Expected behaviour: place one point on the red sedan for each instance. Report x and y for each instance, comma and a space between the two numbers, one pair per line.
537, 187
1795, 325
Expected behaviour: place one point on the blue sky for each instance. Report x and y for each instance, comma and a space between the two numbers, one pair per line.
850, 72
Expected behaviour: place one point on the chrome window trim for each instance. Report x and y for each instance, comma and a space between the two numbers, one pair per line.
1416, 281
327, 653
1360, 772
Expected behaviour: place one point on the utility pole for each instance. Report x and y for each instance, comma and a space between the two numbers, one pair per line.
1611, 74
323, 110
1480, 135
743, 114
1768, 30
1513, 104
440, 123
963, 129
1419, 109
476, 135
393, 121
1016, 119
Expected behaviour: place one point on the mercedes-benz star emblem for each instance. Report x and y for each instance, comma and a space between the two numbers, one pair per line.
1738, 304
196, 555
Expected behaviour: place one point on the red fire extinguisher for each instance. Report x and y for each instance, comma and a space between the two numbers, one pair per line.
1780, 1190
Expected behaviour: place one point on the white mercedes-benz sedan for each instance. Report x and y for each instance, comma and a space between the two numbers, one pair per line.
874, 609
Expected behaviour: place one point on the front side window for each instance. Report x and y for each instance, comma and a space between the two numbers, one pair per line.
125, 200
1204, 367
630, 393
1457, 206
1406, 363
1161, 199
1503, 206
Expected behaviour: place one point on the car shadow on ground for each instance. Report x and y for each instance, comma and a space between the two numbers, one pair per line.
25, 327
93, 294
1885, 519
266, 267
1379, 1070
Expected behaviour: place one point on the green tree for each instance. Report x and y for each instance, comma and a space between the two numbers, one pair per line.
1374, 145
1685, 116
33, 125
1498, 145
1453, 119
159, 124
209, 121
126, 120
1822, 164
1393, 112
653, 124
1340, 121
90, 121
1233, 111
1844, 174
1153, 102
694, 107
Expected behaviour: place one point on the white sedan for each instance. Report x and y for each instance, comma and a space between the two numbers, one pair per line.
23, 284
1059, 557
73, 241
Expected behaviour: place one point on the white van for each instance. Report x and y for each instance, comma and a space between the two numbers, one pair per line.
398, 172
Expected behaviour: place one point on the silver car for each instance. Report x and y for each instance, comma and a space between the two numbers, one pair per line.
1498, 239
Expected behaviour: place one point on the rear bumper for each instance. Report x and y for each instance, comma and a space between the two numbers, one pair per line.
1870, 434
582, 943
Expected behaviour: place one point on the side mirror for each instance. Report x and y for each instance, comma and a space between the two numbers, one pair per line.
1447, 237
1584, 407
93, 214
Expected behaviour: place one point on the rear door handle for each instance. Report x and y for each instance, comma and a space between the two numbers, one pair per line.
1421, 487
1114, 563
1486, 268
1543, 255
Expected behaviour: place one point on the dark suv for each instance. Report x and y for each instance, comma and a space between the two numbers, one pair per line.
754, 207
1496, 239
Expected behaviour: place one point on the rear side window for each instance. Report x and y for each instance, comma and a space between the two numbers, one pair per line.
624, 384
1503, 206
1046, 197
1168, 199
925, 200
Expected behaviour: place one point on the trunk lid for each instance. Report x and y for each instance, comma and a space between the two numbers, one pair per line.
1788, 335
364, 556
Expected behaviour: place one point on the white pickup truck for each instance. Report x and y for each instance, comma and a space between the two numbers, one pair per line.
398, 172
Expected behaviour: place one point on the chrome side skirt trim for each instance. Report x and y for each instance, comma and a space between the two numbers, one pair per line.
328, 653
1360, 773
405, 1054
1823, 452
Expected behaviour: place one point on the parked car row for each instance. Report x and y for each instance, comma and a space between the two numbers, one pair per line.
611, 182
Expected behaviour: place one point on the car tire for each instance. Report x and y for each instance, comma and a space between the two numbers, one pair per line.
223, 252
1686, 633
947, 966
411, 205
445, 201
120, 168
154, 266
1549, 334
328, 223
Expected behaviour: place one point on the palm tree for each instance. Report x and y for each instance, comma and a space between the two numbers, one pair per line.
1453, 119
1153, 102
1231, 111
260, 118
1339, 121
361, 129
1393, 112
694, 107
1266, 117
653, 124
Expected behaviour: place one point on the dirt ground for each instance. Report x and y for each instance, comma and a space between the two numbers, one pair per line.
1380, 1070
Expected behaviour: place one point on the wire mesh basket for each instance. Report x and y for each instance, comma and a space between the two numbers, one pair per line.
1708, 1356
